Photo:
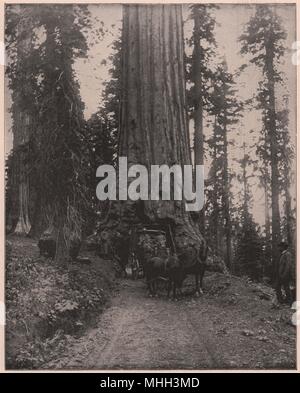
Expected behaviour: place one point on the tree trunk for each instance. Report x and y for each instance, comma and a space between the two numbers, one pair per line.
288, 206
153, 119
198, 105
245, 183
229, 260
38, 221
268, 247
271, 122
21, 137
215, 194
62, 243
22, 125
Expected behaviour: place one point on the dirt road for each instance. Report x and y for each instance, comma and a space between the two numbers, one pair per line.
228, 327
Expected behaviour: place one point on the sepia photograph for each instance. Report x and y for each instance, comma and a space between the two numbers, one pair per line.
150, 186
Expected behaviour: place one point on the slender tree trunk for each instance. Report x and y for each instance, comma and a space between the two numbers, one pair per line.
288, 218
229, 260
198, 105
215, 194
271, 122
268, 246
245, 182
267, 217
288, 207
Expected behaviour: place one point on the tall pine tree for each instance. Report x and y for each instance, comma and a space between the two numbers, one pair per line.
249, 252
225, 109
264, 39
199, 77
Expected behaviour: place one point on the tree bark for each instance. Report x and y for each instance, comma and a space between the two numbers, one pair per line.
216, 208
38, 221
198, 105
21, 137
229, 259
22, 126
268, 245
271, 110
154, 122
288, 206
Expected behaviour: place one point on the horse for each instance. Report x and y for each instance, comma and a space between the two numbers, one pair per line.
193, 262
175, 268
165, 269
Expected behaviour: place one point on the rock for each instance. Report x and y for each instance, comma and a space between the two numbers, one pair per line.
263, 338
248, 333
262, 332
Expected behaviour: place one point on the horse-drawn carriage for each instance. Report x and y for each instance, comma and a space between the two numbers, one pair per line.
149, 252
145, 243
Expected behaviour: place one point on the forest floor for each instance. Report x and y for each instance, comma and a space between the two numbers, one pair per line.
234, 325
47, 305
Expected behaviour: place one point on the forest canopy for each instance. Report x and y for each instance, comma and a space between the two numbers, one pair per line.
68, 114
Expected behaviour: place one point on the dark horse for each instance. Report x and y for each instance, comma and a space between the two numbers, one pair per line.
174, 269
160, 269
192, 262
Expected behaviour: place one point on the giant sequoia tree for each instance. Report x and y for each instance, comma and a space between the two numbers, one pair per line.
153, 126
22, 59
43, 43
62, 172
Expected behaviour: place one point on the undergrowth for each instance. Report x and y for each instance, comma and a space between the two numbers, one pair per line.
48, 304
